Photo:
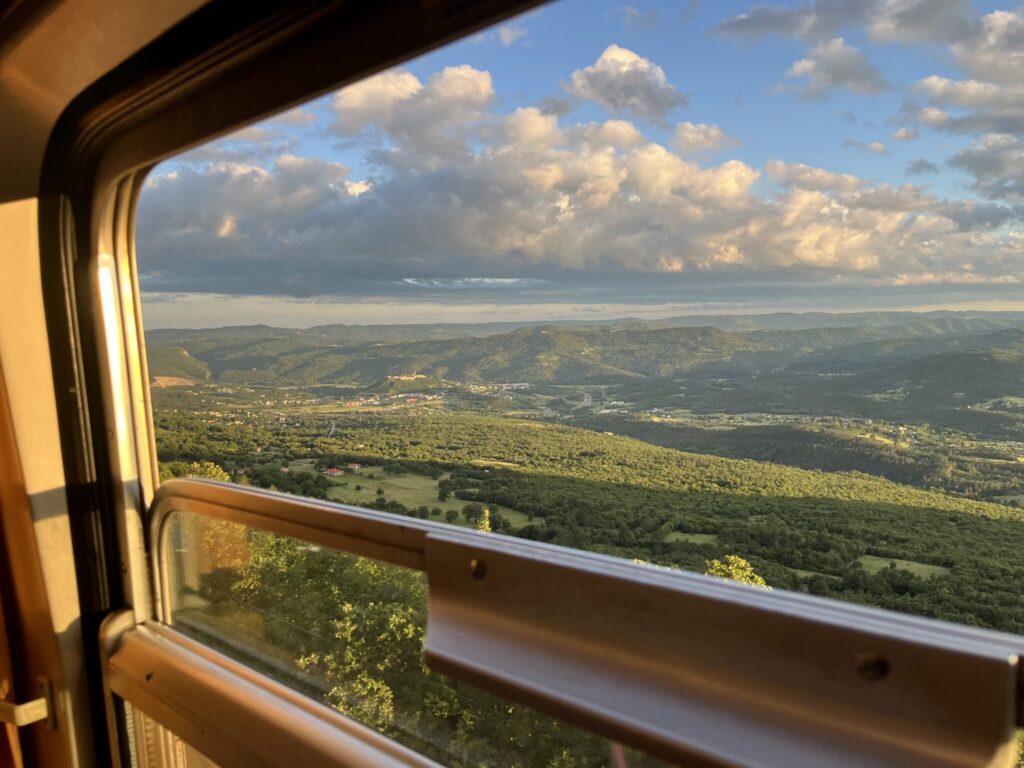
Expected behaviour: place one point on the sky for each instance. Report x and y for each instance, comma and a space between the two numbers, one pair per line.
596, 159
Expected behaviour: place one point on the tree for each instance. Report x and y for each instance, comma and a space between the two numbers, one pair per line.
444, 490
735, 568
451, 515
485, 522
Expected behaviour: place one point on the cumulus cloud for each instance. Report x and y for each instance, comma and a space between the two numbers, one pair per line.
904, 134
520, 203
920, 166
814, 20
891, 21
808, 177
874, 147
834, 64
965, 106
996, 163
921, 21
425, 122
509, 34
993, 51
693, 137
624, 82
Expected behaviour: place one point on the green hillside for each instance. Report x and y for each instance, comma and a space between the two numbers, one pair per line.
927, 371
177, 362
549, 353
803, 530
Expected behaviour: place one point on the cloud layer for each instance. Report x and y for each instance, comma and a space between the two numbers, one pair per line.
463, 197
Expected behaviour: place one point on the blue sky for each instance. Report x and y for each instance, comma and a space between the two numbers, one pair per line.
608, 159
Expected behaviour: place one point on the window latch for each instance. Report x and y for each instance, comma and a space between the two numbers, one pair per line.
31, 711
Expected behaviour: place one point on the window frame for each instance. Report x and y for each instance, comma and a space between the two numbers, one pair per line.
190, 85
199, 81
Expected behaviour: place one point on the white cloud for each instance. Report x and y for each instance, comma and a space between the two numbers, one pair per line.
529, 127
874, 147
996, 51
624, 82
921, 166
970, 94
693, 137
509, 34
814, 20
834, 64
920, 21
228, 227
996, 163
890, 21
426, 123
521, 202
904, 134
621, 134
808, 177
966, 106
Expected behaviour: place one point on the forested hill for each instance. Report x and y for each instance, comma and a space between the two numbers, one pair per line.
565, 354
545, 354
555, 450
802, 529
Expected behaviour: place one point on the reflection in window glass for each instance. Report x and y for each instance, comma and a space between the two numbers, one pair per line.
348, 631
715, 290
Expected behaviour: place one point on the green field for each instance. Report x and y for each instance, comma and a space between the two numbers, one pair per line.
874, 564
409, 489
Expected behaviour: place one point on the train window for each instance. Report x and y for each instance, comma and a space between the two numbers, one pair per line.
586, 281
525, 283
348, 631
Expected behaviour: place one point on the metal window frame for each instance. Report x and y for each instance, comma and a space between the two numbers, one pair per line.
686, 667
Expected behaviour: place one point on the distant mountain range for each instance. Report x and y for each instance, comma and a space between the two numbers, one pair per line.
946, 368
934, 322
609, 352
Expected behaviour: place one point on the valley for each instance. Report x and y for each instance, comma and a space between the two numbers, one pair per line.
879, 462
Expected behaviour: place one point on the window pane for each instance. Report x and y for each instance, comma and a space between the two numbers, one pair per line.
348, 631
606, 278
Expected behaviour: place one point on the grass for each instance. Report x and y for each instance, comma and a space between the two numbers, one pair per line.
874, 564
692, 538
411, 490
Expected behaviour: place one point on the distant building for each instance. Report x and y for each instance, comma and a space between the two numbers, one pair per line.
333, 472
352, 466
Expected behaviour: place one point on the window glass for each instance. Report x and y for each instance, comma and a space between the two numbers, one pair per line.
718, 287
348, 631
